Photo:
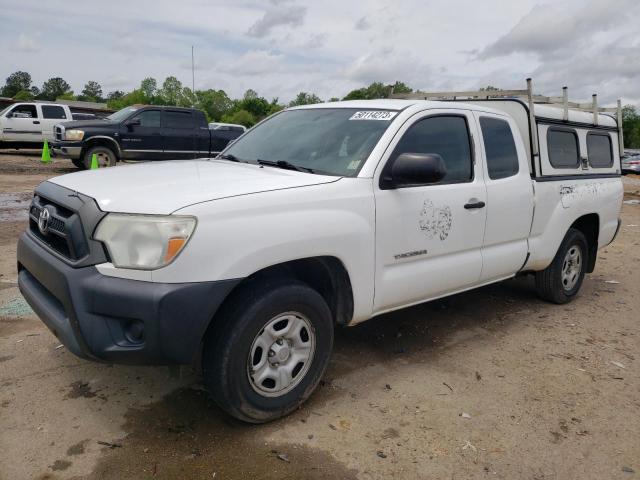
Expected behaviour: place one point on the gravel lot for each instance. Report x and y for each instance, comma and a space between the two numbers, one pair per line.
492, 383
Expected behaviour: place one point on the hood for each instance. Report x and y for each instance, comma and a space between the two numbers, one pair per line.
87, 123
164, 187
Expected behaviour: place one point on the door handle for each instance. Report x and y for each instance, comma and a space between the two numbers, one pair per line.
469, 206
36, 122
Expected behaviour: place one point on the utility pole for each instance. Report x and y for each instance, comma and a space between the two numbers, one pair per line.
193, 75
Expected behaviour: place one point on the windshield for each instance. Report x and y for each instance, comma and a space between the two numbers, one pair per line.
120, 115
334, 141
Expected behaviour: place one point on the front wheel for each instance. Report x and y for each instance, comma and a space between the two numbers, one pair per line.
270, 351
104, 156
561, 281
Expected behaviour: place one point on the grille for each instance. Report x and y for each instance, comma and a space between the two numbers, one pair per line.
63, 233
59, 132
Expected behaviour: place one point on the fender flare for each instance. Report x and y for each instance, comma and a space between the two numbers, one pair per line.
111, 140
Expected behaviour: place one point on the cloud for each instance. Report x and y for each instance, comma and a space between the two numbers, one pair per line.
316, 40
363, 24
281, 47
280, 15
254, 62
585, 46
388, 65
550, 29
116, 82
27, 44
612, 71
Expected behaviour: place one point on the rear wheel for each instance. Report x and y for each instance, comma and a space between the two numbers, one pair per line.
561, 281
104, 155
270, 352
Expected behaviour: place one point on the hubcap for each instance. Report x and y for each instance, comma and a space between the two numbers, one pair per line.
281, 354
571, 267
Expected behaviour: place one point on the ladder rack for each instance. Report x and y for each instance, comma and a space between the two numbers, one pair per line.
531, 99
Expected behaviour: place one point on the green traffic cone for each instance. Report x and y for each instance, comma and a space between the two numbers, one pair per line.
94, 162
46, 154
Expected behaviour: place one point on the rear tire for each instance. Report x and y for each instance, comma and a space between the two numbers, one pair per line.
560, 282
269, 350
105, 156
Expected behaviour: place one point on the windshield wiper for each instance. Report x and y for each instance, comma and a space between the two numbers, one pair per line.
228, 156
285, 165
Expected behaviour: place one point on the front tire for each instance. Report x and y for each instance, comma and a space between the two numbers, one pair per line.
105, 156
270, 350
560, 282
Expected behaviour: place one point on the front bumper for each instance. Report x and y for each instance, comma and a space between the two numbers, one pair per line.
100, 318
70, 150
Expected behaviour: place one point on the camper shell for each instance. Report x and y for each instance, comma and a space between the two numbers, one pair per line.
585, 135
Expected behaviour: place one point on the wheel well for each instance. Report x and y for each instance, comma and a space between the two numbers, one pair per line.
326, 275
101, 142
589, 225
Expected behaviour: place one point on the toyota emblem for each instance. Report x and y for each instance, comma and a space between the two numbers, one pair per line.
43, 221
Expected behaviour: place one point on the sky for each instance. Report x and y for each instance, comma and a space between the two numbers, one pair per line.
329, 47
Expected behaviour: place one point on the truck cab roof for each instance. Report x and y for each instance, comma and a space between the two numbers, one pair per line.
545, 111
398, 105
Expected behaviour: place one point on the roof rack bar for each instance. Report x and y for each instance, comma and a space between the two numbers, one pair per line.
474, 93
526, 95
594, 103
532, 119
620, 132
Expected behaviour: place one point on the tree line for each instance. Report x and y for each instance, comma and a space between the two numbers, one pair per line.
217, 105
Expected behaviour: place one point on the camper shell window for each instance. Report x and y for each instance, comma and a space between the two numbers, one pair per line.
599, 150
563, 148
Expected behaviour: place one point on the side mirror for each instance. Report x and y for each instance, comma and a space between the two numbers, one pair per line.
414, 169
133, 123
10, 115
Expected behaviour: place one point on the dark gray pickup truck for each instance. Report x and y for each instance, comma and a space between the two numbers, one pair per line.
140, 132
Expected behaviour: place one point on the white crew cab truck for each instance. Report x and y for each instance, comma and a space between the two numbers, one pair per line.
321, 215
27, 124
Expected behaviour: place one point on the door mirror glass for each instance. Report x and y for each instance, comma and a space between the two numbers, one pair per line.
416, 169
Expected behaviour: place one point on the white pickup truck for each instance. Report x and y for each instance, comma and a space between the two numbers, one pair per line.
28, 124
321, 215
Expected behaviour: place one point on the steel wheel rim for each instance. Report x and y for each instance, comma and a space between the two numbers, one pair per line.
571, 267
281, 354
103, 159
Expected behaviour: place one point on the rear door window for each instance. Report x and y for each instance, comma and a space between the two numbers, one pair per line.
177, 119
562, 145
599, 150
53, 112
500, 148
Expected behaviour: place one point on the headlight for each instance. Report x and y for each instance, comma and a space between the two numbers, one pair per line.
144, 242
74, 135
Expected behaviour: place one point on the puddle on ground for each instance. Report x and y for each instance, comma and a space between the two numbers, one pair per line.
14, 207
186, 436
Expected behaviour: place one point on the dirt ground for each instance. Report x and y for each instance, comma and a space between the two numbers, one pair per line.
492, 383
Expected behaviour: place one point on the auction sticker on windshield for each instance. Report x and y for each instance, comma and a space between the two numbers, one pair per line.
373, 115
